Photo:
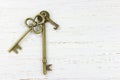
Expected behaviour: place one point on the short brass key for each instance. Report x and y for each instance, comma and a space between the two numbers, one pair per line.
47, 17
16, 45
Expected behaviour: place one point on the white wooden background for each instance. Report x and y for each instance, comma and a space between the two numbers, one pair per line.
85, 47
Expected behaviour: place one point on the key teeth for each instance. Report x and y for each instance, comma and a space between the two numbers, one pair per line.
56, 27
48, 67
15, 51
19, 47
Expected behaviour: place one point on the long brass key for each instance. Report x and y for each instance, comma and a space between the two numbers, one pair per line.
31, 25
46, 67
41, 21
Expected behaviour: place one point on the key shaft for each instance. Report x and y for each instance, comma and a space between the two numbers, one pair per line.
44, 59
44, 49
16, 45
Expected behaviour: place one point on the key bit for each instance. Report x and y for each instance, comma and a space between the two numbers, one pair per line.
19, 47
14, 48
15, 51
48, 67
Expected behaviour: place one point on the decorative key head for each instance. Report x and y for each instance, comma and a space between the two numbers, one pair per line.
31, 23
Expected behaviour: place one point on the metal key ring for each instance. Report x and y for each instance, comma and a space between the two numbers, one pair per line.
32, 24
45, 13
37, 31
39, 19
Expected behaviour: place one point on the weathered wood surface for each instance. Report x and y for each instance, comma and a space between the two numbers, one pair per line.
85, 47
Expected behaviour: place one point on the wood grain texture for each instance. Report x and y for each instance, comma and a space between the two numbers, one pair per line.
85, 47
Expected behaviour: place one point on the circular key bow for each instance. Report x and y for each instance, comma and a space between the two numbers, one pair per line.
33, 24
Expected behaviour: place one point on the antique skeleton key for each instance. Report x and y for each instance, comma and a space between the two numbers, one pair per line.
47, 18
45, 14
30, 27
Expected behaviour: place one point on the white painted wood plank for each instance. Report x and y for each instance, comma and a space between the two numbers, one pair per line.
86, 46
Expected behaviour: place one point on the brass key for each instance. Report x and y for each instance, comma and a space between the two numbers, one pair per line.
47, 17
41, 21
16, 45
45, 14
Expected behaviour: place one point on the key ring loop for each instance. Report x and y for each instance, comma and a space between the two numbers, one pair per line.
44, 13
39, 19
37, 29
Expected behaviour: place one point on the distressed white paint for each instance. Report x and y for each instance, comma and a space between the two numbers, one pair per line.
85, 47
